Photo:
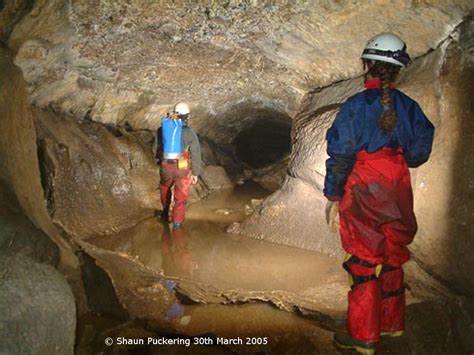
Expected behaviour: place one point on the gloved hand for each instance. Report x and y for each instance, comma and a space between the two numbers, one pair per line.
332, 216
194, 180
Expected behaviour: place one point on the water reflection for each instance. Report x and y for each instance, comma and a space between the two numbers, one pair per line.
203, 253
177, 261
206, 264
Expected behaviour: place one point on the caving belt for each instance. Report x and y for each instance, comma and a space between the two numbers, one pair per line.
183, 163
356, 280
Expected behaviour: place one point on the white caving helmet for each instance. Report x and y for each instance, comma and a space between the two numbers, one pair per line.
181, 108
387, 47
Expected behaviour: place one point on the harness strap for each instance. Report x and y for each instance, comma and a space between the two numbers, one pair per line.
388, 294
360, 279
377, 270
357, 280
355, 260
387, 268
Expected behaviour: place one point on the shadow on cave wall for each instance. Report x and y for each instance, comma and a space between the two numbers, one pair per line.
462, 208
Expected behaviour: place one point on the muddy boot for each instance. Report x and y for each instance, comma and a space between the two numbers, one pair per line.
344, 341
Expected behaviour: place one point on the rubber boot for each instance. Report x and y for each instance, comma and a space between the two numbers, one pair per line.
344, 341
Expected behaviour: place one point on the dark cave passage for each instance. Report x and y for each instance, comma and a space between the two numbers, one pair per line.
251, 140
263, 142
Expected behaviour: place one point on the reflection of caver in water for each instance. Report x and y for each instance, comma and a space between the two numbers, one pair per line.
177, 261
375, 137
178, 152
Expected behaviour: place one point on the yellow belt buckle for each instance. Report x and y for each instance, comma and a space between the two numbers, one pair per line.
378, 269
183, 164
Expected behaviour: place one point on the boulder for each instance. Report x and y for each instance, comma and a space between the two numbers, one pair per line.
273, 176
19, 236
215, 178
37, 308
96, 181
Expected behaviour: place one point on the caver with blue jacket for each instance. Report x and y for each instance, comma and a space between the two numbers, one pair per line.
376, 136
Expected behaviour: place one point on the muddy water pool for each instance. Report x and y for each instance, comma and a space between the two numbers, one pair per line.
222, 291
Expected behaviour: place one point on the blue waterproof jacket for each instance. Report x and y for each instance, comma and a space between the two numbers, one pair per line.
356, 128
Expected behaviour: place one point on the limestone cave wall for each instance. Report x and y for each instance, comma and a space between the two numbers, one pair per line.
90, 81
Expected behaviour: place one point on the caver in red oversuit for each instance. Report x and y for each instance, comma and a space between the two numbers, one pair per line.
177, 175
367, 173
376, 225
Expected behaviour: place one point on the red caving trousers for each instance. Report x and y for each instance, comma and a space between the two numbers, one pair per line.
171, 176
376, 225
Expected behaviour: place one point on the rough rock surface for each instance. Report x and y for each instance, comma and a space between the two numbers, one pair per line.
19, 163
37, 308
293, 215
273, 176
443, 187
215, 178
93, 178
129, 62
10, 13
19, 166
19, 236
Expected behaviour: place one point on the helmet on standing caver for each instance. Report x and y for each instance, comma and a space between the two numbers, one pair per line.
387, 47
181, 108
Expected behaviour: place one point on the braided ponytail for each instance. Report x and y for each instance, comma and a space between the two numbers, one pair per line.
387, 73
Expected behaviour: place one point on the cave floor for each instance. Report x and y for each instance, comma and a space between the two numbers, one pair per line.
203, 284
